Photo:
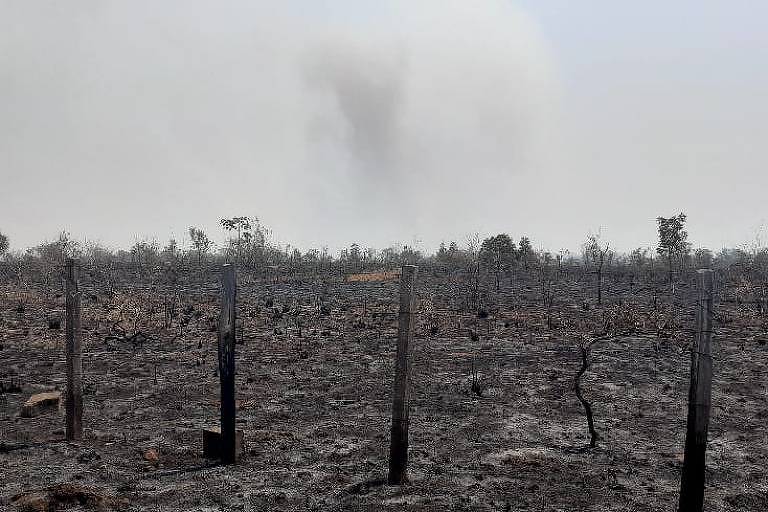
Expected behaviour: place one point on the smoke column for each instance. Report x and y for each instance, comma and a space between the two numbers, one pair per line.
368, 122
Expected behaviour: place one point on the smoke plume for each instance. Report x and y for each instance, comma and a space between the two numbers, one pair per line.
374, 122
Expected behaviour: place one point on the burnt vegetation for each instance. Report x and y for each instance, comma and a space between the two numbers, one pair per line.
535, 375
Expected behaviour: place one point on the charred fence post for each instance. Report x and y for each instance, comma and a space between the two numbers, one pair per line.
699, 399
398, 452
227, 365
74, 398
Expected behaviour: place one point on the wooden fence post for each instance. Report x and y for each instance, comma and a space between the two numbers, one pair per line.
227, 365
699, 398
74, 398
398, 451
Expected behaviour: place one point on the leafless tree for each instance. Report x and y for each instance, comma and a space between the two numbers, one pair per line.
597, 253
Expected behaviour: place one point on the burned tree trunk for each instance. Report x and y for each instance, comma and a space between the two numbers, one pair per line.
585, 363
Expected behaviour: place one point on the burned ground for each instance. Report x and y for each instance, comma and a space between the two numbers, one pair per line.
314, 377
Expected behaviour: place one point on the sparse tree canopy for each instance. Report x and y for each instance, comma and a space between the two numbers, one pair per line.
242, 226
442, 253
525, 251
595, 249
499, 246
673, 240
171, 251
56, 252
354, 253
498, 252
703, 258
145, 252
236, 224
4, 244
638, 258
597, 252
409, 255
450, 255
249, 243
200, 242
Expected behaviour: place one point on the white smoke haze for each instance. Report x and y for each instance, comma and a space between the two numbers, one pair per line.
132, 119
381, 122
419, 119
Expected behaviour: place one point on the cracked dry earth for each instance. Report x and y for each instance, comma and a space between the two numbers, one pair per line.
314, 405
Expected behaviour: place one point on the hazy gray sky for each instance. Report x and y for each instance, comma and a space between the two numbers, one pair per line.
381, 122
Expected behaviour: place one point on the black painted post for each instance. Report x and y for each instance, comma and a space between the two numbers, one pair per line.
227, 365
699, 400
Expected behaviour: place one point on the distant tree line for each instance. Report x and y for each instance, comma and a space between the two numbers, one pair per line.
249, 244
